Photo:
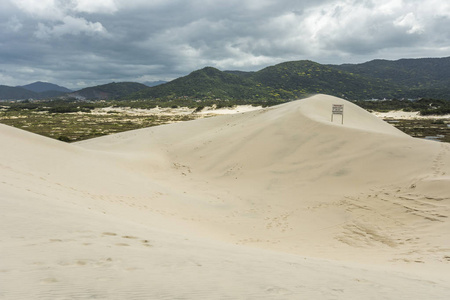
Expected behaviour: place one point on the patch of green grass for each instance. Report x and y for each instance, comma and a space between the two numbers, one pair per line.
71, 127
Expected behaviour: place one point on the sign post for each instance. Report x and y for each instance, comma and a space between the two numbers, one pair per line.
338, 109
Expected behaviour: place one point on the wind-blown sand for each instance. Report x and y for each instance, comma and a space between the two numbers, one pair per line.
277, 203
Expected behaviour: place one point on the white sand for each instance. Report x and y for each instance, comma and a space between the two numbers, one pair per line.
277, 203
228, 110
168, 111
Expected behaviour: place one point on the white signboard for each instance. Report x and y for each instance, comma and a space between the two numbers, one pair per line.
338, 109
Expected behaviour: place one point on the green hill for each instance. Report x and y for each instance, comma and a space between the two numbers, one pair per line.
414, 73
108, 91
297, 78
405, 78
207, 83
40, 87
16, 93
284, 81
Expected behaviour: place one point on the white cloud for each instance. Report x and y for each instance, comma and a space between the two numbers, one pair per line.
97, 6
70, 26
388, 7
409, 22
354, 27
41, 9
59, 17
56, 9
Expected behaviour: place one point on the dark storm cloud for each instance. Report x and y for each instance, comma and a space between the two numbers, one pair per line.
81, 42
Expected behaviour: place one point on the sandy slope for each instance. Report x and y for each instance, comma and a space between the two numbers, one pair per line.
278, 203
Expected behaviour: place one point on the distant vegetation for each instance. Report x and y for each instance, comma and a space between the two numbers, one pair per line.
424, 106
55, 106
73, 105
75, 121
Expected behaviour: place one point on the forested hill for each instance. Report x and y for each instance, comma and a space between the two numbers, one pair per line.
108, 91
405, 78
10, 92
299, 78
413, 73
207, 83
40, 87
284, 81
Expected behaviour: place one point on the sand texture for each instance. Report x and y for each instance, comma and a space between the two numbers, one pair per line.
276, 203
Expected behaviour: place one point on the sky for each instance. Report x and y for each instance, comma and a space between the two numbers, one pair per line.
79, 43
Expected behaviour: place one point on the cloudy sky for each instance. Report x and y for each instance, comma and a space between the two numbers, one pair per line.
78, 43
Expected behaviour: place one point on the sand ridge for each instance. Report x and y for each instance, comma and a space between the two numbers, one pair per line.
280, 194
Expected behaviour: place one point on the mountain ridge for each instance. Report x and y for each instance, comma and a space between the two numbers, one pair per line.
284, 81
40, 87
379, 78
405, 71
107, 91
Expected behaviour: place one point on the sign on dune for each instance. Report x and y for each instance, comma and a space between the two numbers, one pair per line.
337, 109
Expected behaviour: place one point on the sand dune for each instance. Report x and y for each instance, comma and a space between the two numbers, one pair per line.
277, 203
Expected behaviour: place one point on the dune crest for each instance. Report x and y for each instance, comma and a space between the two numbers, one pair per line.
281, 189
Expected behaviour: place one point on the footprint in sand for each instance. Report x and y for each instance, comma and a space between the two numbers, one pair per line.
55, 240
145, 243
49, 280
122, 244
275, 290
109, 233
129, 237
81, 262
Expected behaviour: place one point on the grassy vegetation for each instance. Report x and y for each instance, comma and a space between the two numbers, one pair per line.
74, 121
70, 120
73, 105
71, 127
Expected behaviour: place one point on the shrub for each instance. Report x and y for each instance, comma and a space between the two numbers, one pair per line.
64, 138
